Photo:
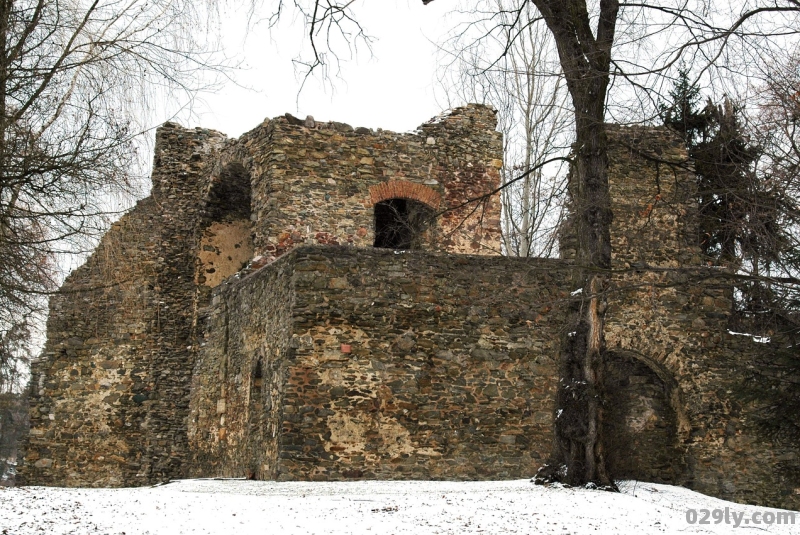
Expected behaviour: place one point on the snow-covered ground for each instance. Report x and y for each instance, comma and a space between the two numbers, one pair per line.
239, 507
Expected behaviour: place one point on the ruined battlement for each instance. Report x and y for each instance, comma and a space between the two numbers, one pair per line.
320, 183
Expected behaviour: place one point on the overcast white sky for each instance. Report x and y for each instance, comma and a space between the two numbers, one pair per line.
392, 88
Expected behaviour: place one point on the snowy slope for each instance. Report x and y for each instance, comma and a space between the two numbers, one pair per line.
369, 507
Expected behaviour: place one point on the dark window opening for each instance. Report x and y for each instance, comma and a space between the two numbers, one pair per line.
257, 417
258, 377
230, 194
401, 223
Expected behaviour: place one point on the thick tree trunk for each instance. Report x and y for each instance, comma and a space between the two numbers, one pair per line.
579, 458
595, 243
585, 55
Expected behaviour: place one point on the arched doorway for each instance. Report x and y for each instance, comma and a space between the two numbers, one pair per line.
643, 421
401, 223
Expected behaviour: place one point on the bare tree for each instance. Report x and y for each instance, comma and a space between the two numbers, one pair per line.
333, 29
525, 85
775, 129
76, 79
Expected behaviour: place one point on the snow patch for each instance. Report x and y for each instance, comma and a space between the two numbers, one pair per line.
212, 506
756, 338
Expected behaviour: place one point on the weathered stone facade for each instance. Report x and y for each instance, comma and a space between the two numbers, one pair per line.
385, 365
238, 322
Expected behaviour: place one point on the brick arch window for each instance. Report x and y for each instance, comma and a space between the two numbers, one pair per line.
403, 189
403, 213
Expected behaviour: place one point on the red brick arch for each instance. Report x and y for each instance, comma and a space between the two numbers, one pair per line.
403, 189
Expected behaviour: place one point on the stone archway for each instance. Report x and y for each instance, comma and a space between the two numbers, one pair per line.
646, 424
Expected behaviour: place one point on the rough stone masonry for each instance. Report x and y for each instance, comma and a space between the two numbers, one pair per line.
240, 321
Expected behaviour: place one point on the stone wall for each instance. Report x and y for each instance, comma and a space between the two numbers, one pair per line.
652, 187
376, 364
109, 395
677, 403
675, 324
420, 366
384, 365
733, 455
669, 313
317, 183
239, 378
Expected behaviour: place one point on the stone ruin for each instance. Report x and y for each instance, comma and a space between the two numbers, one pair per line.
316, 302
